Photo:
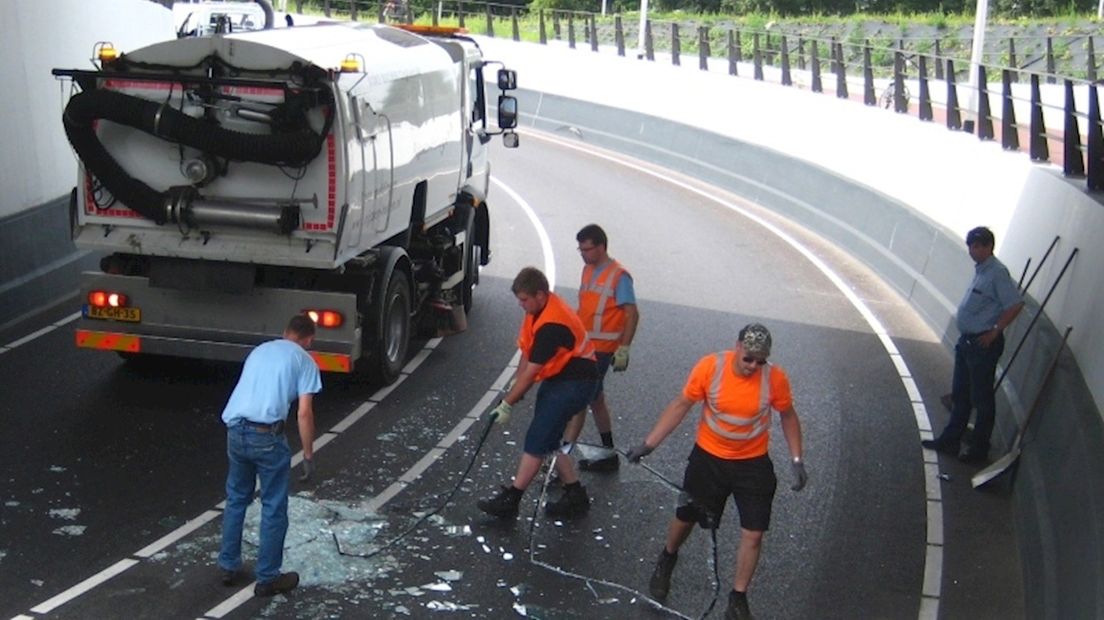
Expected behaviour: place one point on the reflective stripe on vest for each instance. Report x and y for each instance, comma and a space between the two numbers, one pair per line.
604, 285
713, 416
558, 312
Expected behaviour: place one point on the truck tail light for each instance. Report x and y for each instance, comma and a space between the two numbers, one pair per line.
326, 318
107, 299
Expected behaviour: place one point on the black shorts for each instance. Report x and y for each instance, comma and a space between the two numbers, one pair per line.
709, 481
603, 361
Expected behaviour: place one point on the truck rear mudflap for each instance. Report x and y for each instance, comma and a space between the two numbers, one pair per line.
127, 314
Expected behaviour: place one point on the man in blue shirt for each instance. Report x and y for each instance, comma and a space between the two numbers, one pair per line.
607, 307
275, 374
991, 303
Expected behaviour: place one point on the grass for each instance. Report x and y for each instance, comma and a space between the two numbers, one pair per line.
918, 32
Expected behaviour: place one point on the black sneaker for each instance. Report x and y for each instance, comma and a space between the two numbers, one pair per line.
231, 578
939, 446
610, 463
737, 606
660, 584
286, 582
572, 503
504, 505
974, 457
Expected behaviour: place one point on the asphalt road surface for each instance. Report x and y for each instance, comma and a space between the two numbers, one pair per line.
102, 460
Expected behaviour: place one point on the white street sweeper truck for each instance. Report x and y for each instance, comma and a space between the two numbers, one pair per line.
234, 180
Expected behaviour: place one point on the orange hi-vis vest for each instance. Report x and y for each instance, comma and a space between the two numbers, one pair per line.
730, 434
557, 312
598, 309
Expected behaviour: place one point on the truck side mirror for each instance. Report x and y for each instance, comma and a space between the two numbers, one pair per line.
507, 112
510, 140
507, 79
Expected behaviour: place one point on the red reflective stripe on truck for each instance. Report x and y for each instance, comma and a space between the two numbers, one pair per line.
332, 362
120, 84
265, 91
331, 172
90, 207
108, 341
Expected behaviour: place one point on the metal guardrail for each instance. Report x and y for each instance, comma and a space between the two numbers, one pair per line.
940, 79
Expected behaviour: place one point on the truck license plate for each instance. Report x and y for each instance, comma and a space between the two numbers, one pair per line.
129, 315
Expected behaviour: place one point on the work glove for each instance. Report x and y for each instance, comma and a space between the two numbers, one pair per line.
800, 477
621, 358
639, 452
501, 413
308, 469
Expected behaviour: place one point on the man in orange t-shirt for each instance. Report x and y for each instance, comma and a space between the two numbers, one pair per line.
739, 389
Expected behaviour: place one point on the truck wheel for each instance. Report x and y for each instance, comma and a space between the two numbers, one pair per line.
471, 277
471, 267
393, 335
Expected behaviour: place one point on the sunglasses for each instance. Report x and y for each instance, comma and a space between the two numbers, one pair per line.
755, 360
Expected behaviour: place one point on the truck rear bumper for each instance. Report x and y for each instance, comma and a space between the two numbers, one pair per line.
214, 325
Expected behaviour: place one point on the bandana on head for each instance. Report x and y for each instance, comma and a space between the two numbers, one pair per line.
756, 340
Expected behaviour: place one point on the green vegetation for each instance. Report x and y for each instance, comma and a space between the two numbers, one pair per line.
940, 35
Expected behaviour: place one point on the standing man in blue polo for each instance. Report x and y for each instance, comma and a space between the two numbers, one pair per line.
991, 303
275, 374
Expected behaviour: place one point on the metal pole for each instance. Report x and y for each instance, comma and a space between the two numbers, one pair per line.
1035, 318
981, 16
643, 24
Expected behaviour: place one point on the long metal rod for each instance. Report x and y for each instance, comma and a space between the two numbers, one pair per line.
1005, 462
1041, 262
1027, 265
1035, 318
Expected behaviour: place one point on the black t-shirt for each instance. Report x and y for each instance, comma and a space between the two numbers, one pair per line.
551, 337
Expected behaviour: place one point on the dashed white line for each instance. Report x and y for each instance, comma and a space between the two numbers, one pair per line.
39, 333
49, 605
177, 534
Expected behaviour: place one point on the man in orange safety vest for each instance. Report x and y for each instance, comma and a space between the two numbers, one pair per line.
556, 353
607, 307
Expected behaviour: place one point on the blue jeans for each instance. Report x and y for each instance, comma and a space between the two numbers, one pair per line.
252, 455
972, 388
557, 402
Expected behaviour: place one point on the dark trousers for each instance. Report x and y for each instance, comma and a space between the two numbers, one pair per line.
972, 388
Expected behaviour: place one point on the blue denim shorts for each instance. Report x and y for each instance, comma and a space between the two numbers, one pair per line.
557, 402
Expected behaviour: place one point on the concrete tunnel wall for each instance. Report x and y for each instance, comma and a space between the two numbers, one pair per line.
37, 167
899, 195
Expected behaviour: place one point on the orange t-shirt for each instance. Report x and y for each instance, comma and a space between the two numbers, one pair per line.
738, 397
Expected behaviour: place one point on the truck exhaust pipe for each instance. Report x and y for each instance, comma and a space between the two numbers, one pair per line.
185, 207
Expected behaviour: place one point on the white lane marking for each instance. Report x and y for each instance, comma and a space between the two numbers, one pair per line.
546, 243
933, 558
39, 333
176, 534
231, 603
49, 605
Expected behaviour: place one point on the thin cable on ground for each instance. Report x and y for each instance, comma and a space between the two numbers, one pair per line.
422, 519
590, 580
532, 532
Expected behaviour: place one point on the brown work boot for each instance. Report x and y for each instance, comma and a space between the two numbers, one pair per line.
286, 582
